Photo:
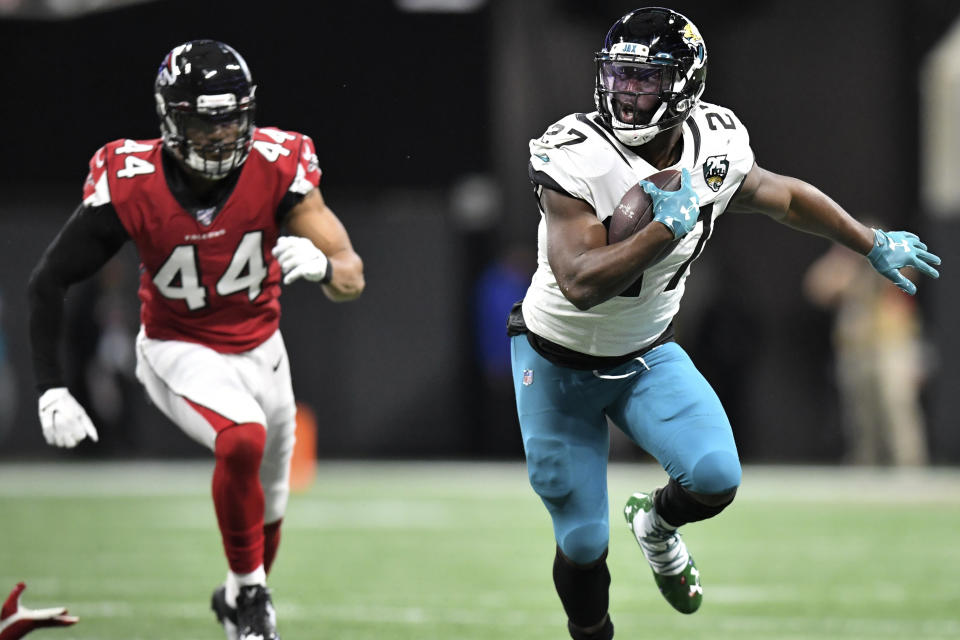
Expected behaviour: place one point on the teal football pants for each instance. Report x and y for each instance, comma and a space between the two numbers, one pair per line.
661, 402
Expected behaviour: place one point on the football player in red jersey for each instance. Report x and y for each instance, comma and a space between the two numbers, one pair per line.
204, 205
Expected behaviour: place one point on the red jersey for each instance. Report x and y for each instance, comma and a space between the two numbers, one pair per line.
214, 282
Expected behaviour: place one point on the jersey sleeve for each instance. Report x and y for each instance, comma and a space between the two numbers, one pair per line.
306, 178
91, 236
96, 189
566, 158
727, 156
308, 169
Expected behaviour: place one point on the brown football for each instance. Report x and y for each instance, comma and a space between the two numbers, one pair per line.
635, 210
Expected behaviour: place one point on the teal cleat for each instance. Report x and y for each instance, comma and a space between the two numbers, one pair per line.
673, 569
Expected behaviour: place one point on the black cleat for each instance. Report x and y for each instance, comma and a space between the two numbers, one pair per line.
256, 618
226, 615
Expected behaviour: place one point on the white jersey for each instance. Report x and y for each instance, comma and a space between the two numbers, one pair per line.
578, 157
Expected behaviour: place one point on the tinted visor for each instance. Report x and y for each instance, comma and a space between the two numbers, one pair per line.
636, 77
634, 90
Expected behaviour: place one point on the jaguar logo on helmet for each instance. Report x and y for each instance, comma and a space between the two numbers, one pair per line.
691, 35
715, 170
694, 40
649, 36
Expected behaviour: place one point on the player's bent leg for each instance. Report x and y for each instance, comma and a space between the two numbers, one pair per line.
674, 414
206, 395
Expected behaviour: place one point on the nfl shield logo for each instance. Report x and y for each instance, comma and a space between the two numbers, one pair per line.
527, 377
205, 216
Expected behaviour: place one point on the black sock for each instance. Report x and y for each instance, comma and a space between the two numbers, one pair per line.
584, 591
605, 632
678, 506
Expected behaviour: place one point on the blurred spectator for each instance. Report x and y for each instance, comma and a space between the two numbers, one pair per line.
879, 359
500, 284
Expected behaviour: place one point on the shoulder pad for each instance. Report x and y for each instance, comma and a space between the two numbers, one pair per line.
573, 153
292, 152
96, 191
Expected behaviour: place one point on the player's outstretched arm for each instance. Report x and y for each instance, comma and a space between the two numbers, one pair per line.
87, 241
802, 206
327, 256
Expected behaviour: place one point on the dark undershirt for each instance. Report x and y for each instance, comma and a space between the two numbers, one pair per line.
564, 357
89, 238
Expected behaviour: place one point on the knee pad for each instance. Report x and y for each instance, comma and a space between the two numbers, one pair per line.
548, 465
240, 448
586, 542
716, 473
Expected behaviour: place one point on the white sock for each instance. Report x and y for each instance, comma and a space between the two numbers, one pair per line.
236, 580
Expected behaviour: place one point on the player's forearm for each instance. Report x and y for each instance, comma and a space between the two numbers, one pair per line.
347, 282
597, 275
812, 211
45, 300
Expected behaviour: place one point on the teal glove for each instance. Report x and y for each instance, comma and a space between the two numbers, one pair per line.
893, 250
679, 209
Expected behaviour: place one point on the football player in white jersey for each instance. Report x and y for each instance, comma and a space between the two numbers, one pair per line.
593, 338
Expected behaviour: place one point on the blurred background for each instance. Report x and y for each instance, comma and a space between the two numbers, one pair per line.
421, 111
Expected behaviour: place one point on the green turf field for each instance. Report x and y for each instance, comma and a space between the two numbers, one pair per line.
464, 552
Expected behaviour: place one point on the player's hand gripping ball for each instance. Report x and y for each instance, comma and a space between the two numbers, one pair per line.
666, 197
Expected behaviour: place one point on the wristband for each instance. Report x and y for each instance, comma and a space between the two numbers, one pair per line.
328, 276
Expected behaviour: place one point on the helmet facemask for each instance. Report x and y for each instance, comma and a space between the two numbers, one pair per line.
209, 141
205, 100
650, 74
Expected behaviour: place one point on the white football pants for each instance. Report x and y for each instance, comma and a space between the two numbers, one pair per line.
253, 386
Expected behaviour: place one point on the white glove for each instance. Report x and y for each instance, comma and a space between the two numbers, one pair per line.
64, 421
17, 621
300, 258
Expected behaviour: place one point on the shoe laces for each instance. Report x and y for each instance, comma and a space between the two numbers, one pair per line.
662, 546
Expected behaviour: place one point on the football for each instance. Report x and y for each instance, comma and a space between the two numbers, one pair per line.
635, 210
